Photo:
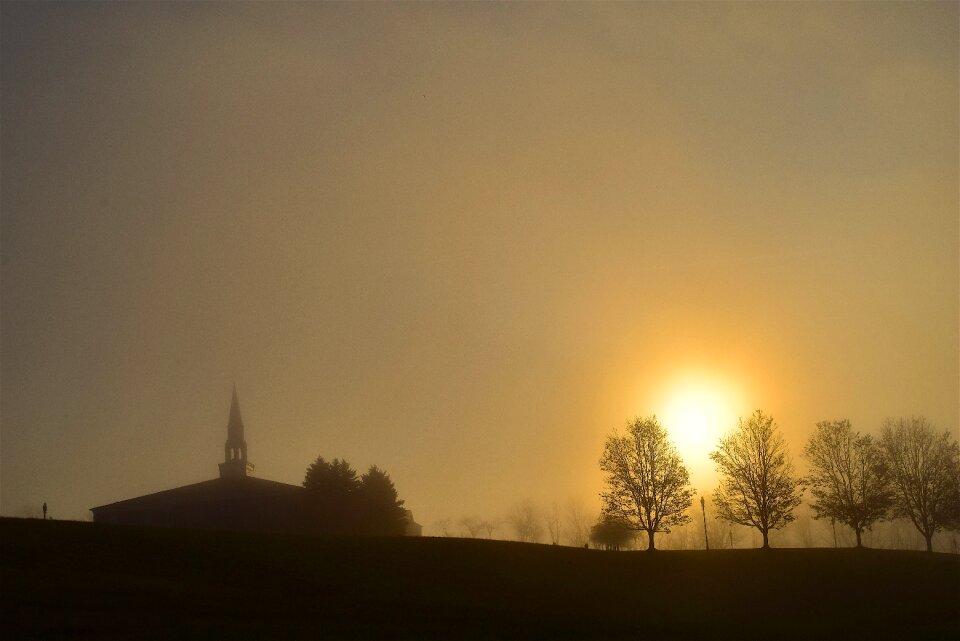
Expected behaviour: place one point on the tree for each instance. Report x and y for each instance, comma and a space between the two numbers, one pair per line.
380, 507
757, 486
443, 525
612, 533
472, 526
576, 523
338, 502
332, 493
524, 518
648, 486
489, 527
953, 518
552, 519
849, 477
924, 470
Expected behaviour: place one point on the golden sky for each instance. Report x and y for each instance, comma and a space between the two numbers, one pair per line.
464, 241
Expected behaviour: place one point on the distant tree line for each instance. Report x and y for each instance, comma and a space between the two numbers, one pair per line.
910, 472
341, 502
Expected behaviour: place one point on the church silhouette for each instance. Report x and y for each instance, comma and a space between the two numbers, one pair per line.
234, 501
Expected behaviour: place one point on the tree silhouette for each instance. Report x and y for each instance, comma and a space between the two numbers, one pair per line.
332, 496
489, 527
381, 509
757, 486
576, 523
472, 526
338, 502
612, 533
925, 475
524, 518
648, 487
443, 525
554, 526
849, 477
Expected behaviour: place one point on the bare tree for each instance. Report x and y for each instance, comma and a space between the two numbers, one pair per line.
552, 519
489, 527
723, 534
682, 538
524, 518
472, 526
924, 469
804, 531
443, 525
648, 487
849, 477
576, 523
757, 485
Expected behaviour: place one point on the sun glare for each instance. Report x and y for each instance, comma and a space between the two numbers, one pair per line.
696, 414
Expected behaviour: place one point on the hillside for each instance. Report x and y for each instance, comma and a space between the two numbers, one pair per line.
64, 580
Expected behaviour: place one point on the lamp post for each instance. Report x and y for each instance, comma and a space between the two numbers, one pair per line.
703, 509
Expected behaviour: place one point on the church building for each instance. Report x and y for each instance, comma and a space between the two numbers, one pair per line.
234, 501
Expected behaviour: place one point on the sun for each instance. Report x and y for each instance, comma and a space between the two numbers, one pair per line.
697, 414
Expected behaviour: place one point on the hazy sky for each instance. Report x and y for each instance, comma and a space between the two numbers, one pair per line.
464, 241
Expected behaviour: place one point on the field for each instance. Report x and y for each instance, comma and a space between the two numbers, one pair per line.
64, 580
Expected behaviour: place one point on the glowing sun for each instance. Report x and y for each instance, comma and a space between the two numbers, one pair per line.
697, 414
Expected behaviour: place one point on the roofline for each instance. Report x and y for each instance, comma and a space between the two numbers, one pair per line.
240, 479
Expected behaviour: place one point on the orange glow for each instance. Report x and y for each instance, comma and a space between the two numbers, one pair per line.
697, 410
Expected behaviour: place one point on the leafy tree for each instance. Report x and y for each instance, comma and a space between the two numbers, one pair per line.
757, 485
524, 518
648, 487
338, 502
849, 477
332, 496
924, 470
381, 509
612, 533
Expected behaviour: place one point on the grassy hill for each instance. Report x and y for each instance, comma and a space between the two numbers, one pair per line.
63, 580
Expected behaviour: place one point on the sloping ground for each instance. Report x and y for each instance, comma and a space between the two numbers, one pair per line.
77, 580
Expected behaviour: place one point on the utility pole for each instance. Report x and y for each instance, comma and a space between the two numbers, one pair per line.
703, 508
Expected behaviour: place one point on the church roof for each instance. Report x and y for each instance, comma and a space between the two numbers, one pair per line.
212, 490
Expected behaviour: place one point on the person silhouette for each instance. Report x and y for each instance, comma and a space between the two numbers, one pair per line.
44, 510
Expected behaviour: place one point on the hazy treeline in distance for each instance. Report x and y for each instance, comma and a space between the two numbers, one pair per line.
370, 504
574, 522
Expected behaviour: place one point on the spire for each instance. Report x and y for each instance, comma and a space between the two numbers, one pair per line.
235, 449
235, 423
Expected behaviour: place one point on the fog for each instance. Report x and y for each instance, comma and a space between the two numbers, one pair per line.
465, 242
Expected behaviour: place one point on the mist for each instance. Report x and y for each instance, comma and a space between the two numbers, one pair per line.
462, 242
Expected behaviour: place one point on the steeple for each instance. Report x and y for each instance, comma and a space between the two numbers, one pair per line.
235, 462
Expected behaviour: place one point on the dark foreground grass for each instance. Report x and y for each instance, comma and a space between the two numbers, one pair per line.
78, 580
